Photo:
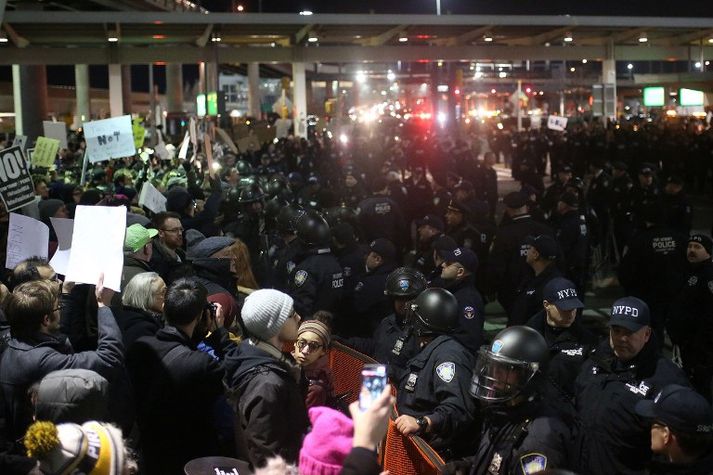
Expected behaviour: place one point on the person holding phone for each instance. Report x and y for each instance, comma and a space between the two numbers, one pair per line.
432, 392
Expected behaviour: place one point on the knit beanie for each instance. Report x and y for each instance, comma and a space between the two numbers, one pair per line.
93, 448
265, 311
704, 241
328, 444
318, 328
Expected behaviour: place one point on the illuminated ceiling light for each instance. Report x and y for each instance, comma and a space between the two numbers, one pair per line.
390, 76
643, 38
568, 38
487, 38
313, 39
629, 66
584, 61
698, 64
112, 36
493, 91
3, 37
240, 8
403, 39
216, 39
707, 63
710, 40
306, 12
502, 75
440, 63
572, 69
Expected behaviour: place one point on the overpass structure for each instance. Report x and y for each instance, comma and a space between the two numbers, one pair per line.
125, 32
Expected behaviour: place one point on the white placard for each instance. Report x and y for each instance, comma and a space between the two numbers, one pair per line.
183, 151
63, 229
152, 198
98, 245
160, 150
556, 122
55, 130
26, 237
20, 140
109, 138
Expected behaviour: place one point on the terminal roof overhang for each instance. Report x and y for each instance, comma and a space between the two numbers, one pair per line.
60, 37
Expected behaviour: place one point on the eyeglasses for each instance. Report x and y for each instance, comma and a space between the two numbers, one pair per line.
59, 307
177, 230
310, 345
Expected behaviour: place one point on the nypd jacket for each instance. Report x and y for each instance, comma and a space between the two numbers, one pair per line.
529, 298
613, 437
472, 312
316, 283
522, 440
435, 384
569, 349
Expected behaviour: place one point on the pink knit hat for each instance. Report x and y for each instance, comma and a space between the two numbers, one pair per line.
328, 444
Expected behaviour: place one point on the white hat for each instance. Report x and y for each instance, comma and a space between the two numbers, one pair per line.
265, 311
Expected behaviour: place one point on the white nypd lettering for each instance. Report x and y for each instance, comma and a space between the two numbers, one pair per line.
566, 293
625, 310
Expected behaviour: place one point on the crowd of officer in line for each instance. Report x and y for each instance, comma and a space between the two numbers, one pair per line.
396, 237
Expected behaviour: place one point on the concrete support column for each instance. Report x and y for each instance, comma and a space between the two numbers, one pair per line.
126, 88
29, 86
201, 78
116, 100
609, 80
211, 77
299, 99
81, 86
254, 90
174, 87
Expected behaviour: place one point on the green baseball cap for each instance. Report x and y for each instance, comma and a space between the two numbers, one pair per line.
137, 237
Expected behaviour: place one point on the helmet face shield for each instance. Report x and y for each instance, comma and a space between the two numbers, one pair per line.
499, 379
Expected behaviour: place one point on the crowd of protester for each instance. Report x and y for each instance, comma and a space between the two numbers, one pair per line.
391, 243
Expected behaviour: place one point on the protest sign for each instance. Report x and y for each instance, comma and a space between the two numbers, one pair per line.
152, 198
139, 133
98, 245
55, 130
45, 152
556, 122
248, 143
16, 187
109, 138
183, 151
226, 139
161, 151
63, 229
26, 237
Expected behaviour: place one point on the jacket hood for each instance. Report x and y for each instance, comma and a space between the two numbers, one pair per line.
72, 395
215, 270
245, 361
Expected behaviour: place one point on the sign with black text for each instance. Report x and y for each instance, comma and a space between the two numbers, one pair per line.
16, 187
109, 138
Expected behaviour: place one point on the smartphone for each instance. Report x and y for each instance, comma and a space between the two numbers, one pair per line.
373, 382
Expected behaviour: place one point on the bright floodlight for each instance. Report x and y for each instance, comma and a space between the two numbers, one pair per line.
643, 38
306, 12
391, 76
313, 39
487, 38
361, 76
568, 38
403, 39
343, 139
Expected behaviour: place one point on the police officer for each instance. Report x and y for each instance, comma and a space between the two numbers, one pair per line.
431, 398
459, 226
542, 254
677, 211
428, 229
681, 430
286, 247
572, 235
317, 280
393, 342
507, 259
521, 433
646, 192
350, 255
553, 192
620, 204
653, 266
597, 197
458, 277
569, 341
369, 305
690, 322
380, 216
620, 372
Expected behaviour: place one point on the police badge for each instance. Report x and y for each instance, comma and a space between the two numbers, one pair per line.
469, 313
300, 278
446, 371
533, 463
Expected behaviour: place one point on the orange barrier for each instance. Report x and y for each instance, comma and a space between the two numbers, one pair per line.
402, 455
346, 365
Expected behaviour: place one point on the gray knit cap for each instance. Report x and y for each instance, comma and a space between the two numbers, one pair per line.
265, 311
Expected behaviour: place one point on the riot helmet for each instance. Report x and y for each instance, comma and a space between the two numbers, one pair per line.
287, 218
405, 283
436, 312
244, 167
250, 194
312, 229
509, 367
